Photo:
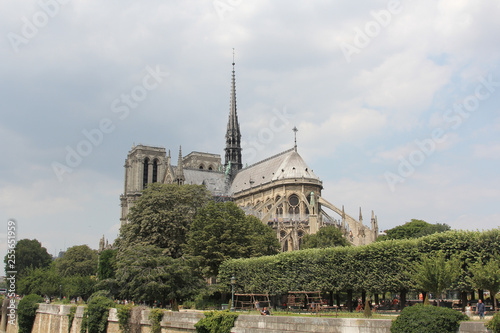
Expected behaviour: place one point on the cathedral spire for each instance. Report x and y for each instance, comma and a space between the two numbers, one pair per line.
233, 134
295, 130
179, 172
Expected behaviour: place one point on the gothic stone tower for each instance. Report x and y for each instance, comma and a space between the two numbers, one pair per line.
144, 165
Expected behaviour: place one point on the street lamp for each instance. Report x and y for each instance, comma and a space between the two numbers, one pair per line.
233, 281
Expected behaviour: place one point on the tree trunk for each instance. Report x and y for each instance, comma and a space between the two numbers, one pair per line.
493, 299
349, 300
363, 297
402, 297
424, 295
376, 299
481, 294
337, 299
330, 298
464, 300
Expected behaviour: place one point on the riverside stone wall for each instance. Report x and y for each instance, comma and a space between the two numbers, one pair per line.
54, 319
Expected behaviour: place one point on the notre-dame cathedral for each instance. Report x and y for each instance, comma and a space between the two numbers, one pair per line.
280, 190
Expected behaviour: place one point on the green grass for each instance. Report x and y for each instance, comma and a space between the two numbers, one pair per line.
331, 314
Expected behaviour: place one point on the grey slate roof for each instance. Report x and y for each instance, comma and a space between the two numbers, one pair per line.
213, 180
286, 165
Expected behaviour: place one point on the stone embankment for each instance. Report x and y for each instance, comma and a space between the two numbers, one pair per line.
54, 319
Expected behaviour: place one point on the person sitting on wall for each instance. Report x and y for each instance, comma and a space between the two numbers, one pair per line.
265, 312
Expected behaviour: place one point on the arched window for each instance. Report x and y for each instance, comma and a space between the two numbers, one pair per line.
279, 209
300, 234
210, 167
293, 202
201, 167
155, 170
145, 172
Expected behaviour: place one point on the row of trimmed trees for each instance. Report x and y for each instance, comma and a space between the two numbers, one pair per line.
466, 261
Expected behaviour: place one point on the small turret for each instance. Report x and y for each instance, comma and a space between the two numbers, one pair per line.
179, 172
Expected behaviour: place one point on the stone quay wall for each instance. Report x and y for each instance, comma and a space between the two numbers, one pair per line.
54, 319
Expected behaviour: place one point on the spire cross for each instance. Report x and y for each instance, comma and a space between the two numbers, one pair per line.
295, 130
233, 56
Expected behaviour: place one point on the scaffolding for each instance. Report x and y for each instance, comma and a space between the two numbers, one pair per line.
251, 301
308, 300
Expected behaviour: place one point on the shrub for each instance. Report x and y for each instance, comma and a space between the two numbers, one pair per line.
494, 323
426, 318
124, 313
216, 322
95, 316
71, 316
156, 316
189, 305
26, 312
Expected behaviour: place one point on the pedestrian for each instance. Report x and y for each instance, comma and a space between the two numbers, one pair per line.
480, 309
468, 310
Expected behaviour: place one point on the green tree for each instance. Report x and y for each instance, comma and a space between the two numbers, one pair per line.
435, 274
95, 316
414, 229
107, 264
48, 282
487, 277
78, 286
329, 236
28, 253
78, 260
145, 273
40, 281
263, 240
222, 231
26, 312
162, 215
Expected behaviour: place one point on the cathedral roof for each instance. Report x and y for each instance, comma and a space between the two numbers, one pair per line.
286, 165
213, 180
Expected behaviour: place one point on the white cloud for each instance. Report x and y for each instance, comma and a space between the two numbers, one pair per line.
487, 151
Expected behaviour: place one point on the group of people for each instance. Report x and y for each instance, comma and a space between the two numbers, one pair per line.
480, 309
263, 311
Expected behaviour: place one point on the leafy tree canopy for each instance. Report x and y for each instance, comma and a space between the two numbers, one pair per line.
78, 260
107, 264
487, 276
435, 274
40, 281
48, 282
28, 253
222, 231
329, 236
162, 215
414, 229
144, 273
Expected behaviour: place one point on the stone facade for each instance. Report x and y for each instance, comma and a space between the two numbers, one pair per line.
281, 190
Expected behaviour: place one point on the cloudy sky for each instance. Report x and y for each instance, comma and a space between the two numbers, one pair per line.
396, 102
